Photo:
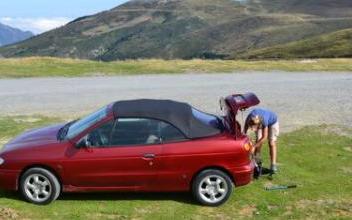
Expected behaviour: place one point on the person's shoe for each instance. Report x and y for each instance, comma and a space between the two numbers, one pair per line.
266, 171
273, 169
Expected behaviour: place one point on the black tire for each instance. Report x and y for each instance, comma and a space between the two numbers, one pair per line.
200, 184
47, 182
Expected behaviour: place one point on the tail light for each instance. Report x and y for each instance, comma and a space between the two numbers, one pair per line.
248, 146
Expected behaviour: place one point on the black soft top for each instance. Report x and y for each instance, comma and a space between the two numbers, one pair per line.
178, 114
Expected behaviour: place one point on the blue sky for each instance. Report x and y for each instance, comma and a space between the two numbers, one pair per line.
42, 15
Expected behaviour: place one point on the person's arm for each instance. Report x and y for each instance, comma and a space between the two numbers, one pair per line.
264, 137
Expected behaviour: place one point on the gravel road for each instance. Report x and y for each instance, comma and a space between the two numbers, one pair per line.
299, 98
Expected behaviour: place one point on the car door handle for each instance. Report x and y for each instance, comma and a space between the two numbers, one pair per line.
149, 156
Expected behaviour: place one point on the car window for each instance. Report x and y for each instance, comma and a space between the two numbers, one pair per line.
169, 133
84, 123
143, 131
101, 137
135, 131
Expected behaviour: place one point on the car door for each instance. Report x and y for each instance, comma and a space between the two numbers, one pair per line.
124, 155
174, 159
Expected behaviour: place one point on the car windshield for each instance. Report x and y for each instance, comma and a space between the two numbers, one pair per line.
84, 123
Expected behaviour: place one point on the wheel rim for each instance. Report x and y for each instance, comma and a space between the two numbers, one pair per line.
37, 187
213, 189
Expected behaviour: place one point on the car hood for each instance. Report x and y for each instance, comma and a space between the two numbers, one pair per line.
35, 137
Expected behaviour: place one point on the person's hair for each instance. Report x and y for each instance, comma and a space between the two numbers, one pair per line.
251, 121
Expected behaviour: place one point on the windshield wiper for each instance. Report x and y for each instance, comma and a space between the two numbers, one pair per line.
64, 130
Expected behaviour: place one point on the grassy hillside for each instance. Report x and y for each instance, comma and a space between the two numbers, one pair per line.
50, 67
336, 44
187, 29
317, 159
323, 8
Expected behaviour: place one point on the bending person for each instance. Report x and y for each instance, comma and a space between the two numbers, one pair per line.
266, 126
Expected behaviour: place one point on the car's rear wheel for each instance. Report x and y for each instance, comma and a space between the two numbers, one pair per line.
212, 187
39, 186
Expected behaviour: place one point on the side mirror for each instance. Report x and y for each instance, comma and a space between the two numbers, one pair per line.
84, 143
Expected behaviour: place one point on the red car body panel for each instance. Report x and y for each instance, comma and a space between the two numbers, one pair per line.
126, 168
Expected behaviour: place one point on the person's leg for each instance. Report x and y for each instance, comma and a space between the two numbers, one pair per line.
273, 152
258, 149
273, 135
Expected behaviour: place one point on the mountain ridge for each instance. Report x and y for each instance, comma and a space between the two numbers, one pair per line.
186, 29
10, 35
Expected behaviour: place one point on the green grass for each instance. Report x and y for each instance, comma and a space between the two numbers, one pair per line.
315, 158
50, 67
336, 44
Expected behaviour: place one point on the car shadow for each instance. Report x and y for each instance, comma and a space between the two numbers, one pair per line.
182, 197
9, 195
130, 196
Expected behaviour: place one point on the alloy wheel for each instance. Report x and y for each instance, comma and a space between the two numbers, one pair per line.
37, 187
213, 188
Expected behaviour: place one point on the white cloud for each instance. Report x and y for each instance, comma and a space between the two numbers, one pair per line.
6, 19
36, 25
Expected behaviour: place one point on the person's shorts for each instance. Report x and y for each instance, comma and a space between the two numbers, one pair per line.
274, 132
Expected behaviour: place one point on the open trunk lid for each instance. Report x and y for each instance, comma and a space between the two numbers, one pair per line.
234, 103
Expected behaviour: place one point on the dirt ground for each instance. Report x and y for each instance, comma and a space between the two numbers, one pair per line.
299, 98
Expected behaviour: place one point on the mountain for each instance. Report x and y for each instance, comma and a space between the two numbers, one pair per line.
187, 29
10, 35
336, 44
325, 8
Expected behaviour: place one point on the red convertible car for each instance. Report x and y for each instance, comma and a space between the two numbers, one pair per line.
138, 145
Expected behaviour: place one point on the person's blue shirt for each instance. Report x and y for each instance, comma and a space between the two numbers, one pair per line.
268, 117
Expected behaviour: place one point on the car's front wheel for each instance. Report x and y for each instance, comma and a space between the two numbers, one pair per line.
39, 186
212, 187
